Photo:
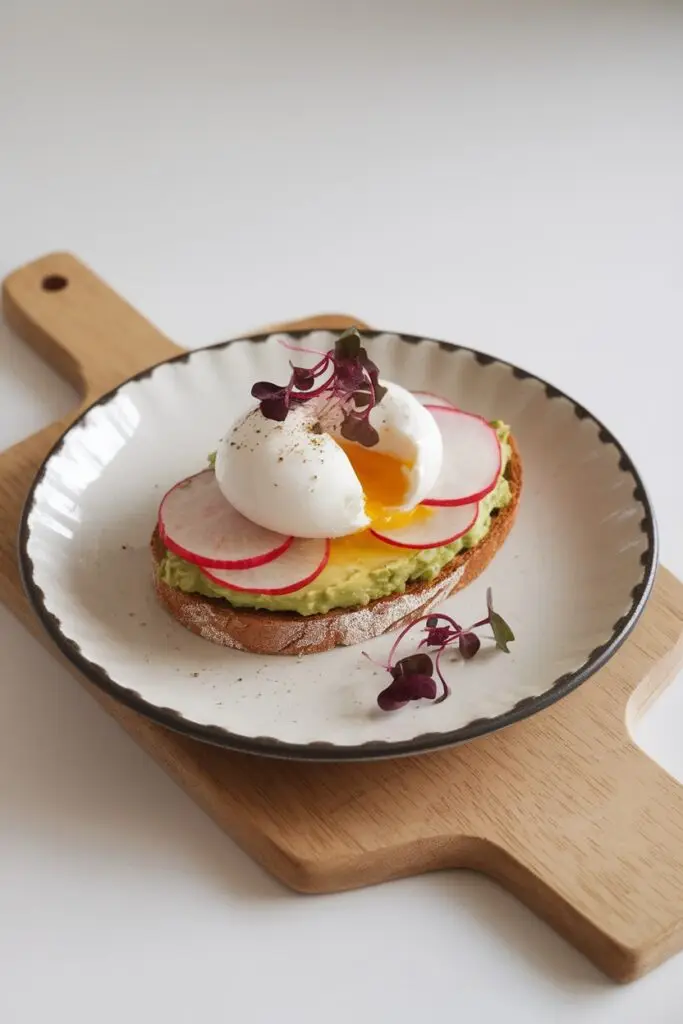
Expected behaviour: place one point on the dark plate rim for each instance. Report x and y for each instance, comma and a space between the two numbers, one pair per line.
375, 749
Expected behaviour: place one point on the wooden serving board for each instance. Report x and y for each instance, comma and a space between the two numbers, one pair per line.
563, 809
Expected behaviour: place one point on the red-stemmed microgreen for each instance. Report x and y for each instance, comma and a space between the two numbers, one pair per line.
412, 677
346, 382
411, 680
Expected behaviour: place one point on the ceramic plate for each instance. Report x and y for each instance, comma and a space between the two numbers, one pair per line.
572, 578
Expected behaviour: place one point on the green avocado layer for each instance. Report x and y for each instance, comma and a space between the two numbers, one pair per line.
358, 572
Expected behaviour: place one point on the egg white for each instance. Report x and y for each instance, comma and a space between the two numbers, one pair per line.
289, 479
409, 432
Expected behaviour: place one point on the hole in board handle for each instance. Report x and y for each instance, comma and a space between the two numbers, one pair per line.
54, 283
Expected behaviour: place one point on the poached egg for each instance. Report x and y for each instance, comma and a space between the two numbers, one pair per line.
291, 478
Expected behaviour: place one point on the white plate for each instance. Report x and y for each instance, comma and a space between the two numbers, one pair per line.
572, 578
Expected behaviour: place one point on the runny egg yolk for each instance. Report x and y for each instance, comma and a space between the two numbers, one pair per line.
384, 479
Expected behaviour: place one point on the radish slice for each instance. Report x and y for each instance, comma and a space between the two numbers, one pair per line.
199, 524
427, 398
472, 458
444, 525
298, 566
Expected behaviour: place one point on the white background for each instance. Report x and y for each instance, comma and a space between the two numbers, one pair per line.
508, 175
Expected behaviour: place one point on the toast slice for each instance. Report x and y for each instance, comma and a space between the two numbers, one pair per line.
263, 632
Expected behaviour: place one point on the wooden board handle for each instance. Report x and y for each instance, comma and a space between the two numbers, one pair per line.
79, 325
594, 843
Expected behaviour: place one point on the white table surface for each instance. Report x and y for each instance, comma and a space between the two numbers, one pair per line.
509, 175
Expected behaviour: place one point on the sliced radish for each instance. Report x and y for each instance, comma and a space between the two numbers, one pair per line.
296, 568
199, 524
445, 524
471, 458
427, 398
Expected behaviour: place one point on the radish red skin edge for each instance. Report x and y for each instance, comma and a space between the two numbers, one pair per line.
272, 591
438, 410
432, 544
247, 563
202, 558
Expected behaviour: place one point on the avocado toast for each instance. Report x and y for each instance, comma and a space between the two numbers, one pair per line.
339, 506
221, 620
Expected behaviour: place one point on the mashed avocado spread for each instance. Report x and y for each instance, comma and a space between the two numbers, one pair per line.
361, 568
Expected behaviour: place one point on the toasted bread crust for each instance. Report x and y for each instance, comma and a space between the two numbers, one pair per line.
264, 632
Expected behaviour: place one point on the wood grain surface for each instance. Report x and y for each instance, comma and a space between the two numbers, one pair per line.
563, 809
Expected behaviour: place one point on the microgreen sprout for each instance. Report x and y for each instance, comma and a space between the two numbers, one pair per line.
412, 677
344, 380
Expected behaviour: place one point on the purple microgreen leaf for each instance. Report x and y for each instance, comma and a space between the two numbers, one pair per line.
362, 398
411, 680
373, 373
360, 430
419, 664
275, 408
405, 688
264, 389
469, 644
438, 636
302, 378
387, 701
349, 376
380, 391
